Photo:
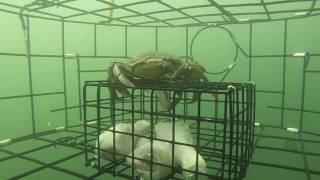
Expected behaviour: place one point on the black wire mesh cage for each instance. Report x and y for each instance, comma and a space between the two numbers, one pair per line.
221, 122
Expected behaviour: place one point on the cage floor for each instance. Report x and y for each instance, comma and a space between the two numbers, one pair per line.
278, 154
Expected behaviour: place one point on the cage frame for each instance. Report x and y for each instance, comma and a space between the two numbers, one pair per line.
78, 57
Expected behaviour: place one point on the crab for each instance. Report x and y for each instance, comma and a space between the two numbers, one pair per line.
156, 67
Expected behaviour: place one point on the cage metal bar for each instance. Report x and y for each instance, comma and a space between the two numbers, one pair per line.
228, 22
173, 131
270, 91
181, 12
198, 135
126, 41
222, 10
95, 40
231, 119
224, 135
164, 11
305, 64
136, 12
312, 71
30, 95
250, 51
287, 150
253, 116
237, 119
220, 22
110, 8
294, 109
64, 74
58, 56
79, 87
98, 96
84, 99
50, 165
265, 9
151, 134
28, 43
312, 6
132, 135
53, 4
284, 71
84, 12
284, 167
156, 38
26, 8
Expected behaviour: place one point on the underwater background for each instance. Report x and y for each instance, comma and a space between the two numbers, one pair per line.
35, 92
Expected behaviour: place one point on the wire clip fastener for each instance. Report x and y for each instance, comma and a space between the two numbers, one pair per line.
243, 20
60, 128
232, 87
300, 14
231, 66
301, 54
293, 130
257, 124
92, 122
70, 56
5, 142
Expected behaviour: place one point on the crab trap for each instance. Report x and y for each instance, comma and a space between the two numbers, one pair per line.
220, 121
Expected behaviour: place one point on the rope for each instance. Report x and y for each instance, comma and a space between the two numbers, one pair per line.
111, 12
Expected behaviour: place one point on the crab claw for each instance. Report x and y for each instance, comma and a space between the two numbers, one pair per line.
165, 102
121, 76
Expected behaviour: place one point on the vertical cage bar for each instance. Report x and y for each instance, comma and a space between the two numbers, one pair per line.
132, 133
243, 131
156, 40
305, 160
250, 52
79, 86
64, 75
224, 133
95, 39
126, 41
113, 123
253, 114
122, 107
248, 129
187, 43
84, 98
198, 135
151, 139
305, 63
141, 105
284, 71
231, 107
216, 110
99, 124
30, 75
173, 132
237, 157
185, 105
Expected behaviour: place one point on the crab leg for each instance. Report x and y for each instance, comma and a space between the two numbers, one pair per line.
195, 96
165, 102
